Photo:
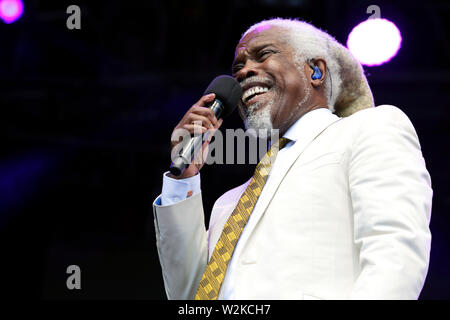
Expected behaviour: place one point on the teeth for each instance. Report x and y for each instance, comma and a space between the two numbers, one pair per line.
253, 90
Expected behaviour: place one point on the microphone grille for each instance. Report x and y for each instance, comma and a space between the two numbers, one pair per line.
227, 90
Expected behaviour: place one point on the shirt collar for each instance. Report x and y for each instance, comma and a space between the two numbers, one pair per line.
306, 122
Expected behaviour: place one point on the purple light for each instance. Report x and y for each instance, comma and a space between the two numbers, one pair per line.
374, 41
10, 10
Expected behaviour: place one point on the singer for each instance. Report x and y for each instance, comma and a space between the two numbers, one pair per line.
342, 212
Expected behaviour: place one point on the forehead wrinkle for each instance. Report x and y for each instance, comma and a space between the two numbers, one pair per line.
254, 36
245, 44
256, 47
242, 48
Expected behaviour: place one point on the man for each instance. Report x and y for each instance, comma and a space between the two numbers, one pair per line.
344, 212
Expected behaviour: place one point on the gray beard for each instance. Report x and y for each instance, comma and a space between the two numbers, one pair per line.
259, 121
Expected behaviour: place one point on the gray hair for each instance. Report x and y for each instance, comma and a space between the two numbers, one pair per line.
347, 90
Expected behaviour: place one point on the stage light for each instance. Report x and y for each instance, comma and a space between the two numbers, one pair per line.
10, 10
374, 41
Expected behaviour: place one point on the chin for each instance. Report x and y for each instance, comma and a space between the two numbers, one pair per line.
259, 120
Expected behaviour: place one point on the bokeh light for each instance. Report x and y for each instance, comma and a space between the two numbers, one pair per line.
374, 41
10, 10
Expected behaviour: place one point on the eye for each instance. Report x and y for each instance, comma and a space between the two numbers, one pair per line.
237, 67
259, 56
264, 54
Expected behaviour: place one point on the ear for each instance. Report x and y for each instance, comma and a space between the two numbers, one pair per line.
322, 65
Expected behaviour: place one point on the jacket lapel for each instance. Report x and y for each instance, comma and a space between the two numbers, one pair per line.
283, 167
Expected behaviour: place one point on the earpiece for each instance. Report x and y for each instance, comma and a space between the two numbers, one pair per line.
317, 73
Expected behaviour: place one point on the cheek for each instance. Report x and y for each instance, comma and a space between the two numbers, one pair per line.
287, 76
296, 84
290, 86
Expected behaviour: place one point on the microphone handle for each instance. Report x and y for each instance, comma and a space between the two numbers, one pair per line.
188, 152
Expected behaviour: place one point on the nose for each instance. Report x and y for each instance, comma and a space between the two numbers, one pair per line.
248, 70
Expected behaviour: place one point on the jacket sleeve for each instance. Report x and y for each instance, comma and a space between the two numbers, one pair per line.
181, 240
391, 196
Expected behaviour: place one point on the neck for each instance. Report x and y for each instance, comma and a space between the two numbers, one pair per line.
285, 126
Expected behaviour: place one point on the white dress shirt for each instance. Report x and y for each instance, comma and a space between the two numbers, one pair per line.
176, 190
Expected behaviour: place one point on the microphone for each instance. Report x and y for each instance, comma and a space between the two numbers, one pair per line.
228, 93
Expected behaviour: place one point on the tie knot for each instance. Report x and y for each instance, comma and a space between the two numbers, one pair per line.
270, 156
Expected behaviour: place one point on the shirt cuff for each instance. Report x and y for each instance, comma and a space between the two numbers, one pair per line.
174, 190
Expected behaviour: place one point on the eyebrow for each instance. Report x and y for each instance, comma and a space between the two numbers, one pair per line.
252, 51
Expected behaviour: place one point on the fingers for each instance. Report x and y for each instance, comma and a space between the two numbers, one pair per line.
201, 156
200, 108
219, 123
198, 127
204, 112
195, 118
213, 130
205, 100
195, 128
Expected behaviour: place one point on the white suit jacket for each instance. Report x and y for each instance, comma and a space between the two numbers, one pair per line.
347, 218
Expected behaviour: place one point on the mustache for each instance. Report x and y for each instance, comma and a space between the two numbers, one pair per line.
255, 79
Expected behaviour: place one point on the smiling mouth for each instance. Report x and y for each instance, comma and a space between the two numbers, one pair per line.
253, 92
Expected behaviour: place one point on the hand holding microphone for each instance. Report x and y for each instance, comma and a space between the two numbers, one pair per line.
199, 118
219, 100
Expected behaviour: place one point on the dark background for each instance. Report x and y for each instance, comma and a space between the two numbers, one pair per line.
86, 117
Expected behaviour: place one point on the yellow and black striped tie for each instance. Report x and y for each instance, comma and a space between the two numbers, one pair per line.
216, 268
